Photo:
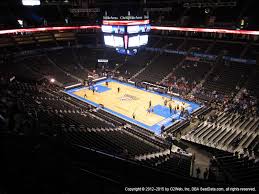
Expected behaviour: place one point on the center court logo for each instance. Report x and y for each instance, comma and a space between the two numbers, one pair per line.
127, 97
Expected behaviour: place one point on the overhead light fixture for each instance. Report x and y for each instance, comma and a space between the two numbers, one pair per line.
20, 23
207, 10
30, 2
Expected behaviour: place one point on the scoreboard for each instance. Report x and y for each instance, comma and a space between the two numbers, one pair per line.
113, 29
126, 29
126, 35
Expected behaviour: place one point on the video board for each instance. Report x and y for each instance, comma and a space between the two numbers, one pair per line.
137, 40
125, 35
113, 40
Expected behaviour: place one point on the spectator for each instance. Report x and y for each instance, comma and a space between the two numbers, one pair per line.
205, 174
198, 171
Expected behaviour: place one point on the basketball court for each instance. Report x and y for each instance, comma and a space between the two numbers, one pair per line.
133, 103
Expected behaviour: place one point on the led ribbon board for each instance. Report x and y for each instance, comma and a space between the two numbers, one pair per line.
31, 30
124, 22
211, 30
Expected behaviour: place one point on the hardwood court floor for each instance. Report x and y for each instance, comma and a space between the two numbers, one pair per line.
128, 101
